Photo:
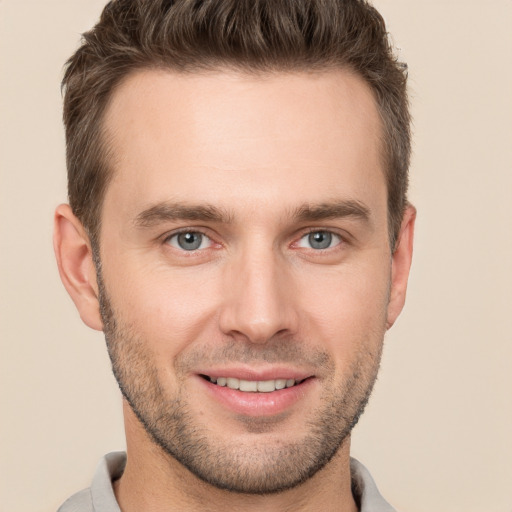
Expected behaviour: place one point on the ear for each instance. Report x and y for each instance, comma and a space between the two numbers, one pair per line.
76, 268
400, 265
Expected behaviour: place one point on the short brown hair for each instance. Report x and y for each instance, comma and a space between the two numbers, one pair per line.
256, 35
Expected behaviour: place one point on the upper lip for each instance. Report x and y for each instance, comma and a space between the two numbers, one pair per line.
253, 374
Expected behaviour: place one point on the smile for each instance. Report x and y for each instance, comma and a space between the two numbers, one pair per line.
253, 386
257, 394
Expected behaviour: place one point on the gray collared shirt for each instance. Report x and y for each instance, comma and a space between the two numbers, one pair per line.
100, 496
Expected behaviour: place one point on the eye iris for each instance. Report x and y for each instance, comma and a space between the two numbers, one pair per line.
320, 239
190, 241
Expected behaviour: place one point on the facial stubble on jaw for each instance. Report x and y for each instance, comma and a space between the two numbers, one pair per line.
256, 468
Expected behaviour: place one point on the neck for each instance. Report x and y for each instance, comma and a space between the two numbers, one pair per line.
155, 481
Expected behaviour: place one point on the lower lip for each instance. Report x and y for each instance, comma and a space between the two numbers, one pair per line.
259, 404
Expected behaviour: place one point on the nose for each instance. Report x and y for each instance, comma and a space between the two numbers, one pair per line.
259, 298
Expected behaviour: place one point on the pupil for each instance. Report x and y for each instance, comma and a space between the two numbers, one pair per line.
320, 240
189, 241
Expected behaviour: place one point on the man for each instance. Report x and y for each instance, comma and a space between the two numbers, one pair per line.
238, 227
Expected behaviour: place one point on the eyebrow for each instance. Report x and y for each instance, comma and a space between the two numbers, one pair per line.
333, 210
168, 212
165, 212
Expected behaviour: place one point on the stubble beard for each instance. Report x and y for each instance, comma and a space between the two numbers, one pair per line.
257, 468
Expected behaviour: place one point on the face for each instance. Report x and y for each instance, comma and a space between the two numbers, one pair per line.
246, 272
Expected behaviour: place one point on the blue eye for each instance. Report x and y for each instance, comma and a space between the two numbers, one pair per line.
319, 240
189, 241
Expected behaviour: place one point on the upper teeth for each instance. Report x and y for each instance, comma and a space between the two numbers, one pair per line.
263, 386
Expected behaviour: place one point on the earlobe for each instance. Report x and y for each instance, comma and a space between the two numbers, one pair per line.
76, 268
401, 264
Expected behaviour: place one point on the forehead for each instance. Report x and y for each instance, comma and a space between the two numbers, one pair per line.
219, 136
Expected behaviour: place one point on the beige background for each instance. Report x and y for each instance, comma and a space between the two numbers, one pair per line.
437, 435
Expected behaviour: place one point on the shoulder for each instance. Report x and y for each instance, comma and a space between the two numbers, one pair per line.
100, 496
79, 502
365, 490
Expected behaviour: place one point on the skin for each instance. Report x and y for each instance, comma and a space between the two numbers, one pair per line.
276, 157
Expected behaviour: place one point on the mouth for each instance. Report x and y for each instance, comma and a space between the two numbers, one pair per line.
253, 386
265, 393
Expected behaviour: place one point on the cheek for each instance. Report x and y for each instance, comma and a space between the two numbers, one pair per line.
347, 307
168, 310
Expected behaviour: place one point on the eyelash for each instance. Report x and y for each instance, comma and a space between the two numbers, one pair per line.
341, 239
176, 234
